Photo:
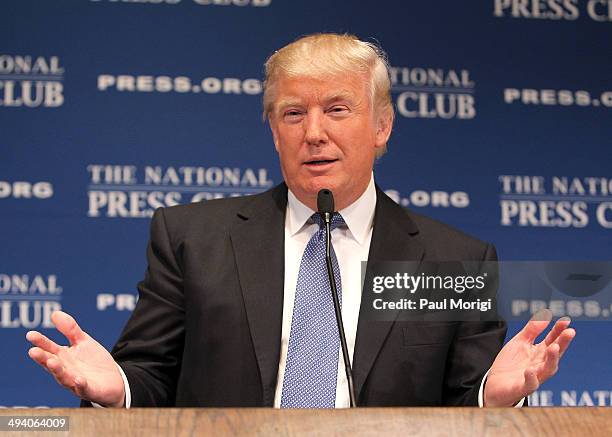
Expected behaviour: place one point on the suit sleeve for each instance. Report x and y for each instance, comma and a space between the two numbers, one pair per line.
150, 347
475, 346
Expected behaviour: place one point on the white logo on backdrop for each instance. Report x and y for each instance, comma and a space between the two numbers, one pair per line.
555, 10
130, 191
27, 301
26, 190
31, 81
178, 84
571, 398
433, 93
553, 97
436, 198
116, 301
558, 201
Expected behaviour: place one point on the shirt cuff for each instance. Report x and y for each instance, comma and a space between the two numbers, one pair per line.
481, 393
126, 386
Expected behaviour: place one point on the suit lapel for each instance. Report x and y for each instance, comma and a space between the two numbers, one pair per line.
258, 243
392, 240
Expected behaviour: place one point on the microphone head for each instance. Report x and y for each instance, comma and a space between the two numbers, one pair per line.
325, 201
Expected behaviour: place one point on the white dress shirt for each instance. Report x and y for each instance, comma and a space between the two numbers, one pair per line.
351, 245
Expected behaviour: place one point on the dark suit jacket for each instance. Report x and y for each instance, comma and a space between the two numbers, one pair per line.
206, 331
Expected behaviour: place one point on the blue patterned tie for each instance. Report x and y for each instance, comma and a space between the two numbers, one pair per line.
312, 356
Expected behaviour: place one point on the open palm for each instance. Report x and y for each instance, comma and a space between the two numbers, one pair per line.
522, 366
85, 367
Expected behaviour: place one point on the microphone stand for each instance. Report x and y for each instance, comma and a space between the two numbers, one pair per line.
332, 282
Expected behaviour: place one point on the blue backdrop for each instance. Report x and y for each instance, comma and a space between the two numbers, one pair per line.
109, 109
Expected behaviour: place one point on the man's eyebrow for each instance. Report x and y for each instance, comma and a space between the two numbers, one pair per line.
338, 96
284, 103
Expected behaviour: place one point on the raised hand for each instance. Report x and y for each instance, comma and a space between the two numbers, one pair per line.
522, 366
85, 367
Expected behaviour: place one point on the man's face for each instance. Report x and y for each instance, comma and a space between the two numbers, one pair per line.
326, 136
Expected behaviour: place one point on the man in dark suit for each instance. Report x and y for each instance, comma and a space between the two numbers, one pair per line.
228, 312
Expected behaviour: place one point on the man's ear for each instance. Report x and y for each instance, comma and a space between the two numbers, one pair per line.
384, 125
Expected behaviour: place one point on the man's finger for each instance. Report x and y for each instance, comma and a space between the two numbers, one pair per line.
556, 330
66, 324
55, 366
40, 356
61, 374
564, 340
536, 325
41, 341
550, 365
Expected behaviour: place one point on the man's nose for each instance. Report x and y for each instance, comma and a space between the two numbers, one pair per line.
314, 128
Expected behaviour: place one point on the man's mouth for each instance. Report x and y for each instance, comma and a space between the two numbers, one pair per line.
321, 162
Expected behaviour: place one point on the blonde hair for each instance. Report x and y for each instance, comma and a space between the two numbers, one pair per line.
330, 54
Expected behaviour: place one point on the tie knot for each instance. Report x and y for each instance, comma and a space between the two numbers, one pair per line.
336, 221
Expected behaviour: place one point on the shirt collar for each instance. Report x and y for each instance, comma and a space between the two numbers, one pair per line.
358, 216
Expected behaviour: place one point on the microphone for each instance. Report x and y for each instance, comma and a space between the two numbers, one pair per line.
325, 206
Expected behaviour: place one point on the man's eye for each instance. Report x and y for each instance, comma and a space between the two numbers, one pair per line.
292, 114
338, 109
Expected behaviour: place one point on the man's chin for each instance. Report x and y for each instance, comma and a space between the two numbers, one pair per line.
307, 193
320, 183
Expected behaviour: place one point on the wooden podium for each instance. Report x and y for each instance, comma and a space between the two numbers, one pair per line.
379, 422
